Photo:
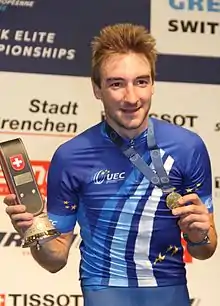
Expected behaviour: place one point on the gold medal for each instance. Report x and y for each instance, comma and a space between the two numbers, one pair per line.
171, 200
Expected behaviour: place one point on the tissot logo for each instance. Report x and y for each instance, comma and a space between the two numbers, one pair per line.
20, 299
106, 176
177, 119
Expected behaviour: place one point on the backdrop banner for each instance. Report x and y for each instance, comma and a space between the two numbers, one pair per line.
47, 98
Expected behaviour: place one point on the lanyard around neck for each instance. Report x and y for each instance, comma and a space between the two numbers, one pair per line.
158, 177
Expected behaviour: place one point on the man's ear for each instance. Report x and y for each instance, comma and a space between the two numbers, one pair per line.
96, 91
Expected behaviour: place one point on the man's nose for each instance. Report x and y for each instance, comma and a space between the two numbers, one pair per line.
130, 95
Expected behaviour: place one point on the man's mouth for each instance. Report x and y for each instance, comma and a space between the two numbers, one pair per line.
130, 110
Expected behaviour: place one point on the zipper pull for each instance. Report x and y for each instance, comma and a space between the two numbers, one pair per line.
132, 143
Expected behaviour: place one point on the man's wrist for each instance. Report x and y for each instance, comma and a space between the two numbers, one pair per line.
203, 240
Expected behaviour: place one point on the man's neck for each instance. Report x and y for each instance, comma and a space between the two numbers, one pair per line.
128, 133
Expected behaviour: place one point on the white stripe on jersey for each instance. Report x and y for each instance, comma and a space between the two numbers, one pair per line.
122, 231
144, 269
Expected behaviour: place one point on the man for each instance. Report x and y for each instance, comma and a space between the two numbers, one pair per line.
131, 240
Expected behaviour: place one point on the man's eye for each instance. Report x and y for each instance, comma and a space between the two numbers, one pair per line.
117, 84
142, 82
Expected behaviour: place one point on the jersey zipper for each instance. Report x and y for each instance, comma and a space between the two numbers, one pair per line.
132, 143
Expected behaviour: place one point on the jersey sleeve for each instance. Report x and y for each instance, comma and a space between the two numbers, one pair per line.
198, 176
62, 194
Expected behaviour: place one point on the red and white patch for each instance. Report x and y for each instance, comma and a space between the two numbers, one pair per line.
17, 162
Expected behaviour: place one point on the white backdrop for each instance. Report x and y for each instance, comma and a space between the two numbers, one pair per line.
191, 103
67, 103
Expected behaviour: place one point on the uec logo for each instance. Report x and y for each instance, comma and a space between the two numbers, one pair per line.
108, 177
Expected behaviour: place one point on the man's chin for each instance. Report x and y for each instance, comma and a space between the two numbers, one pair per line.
132, 125
133, 122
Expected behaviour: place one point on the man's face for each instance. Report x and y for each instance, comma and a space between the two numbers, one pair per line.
126, 90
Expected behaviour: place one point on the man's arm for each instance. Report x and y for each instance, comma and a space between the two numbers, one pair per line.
205, 251
53, 254
61, 207
196, 222
196, 212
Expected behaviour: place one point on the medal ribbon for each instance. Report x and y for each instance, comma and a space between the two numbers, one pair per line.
158, 178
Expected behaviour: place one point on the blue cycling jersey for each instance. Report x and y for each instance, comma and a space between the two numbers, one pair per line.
129, 236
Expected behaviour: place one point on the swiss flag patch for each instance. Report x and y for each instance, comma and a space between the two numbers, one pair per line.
17, 162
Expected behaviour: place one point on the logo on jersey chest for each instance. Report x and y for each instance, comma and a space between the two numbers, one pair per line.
107, 177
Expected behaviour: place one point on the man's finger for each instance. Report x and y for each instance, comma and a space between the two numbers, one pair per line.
200, 226
23, 225
188, 219
22, 217
10, 199
15, 209
192, 198
189, 209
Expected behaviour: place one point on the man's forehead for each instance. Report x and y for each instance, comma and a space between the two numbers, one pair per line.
125, 66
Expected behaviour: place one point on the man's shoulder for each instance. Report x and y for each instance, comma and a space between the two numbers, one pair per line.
179, 135
81, 142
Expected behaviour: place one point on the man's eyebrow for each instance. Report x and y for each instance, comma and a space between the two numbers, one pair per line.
115, 79
144, 76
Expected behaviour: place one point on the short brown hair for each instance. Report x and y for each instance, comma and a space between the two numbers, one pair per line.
122, 38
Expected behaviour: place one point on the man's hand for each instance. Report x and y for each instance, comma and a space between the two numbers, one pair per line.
194, 217
20, 219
